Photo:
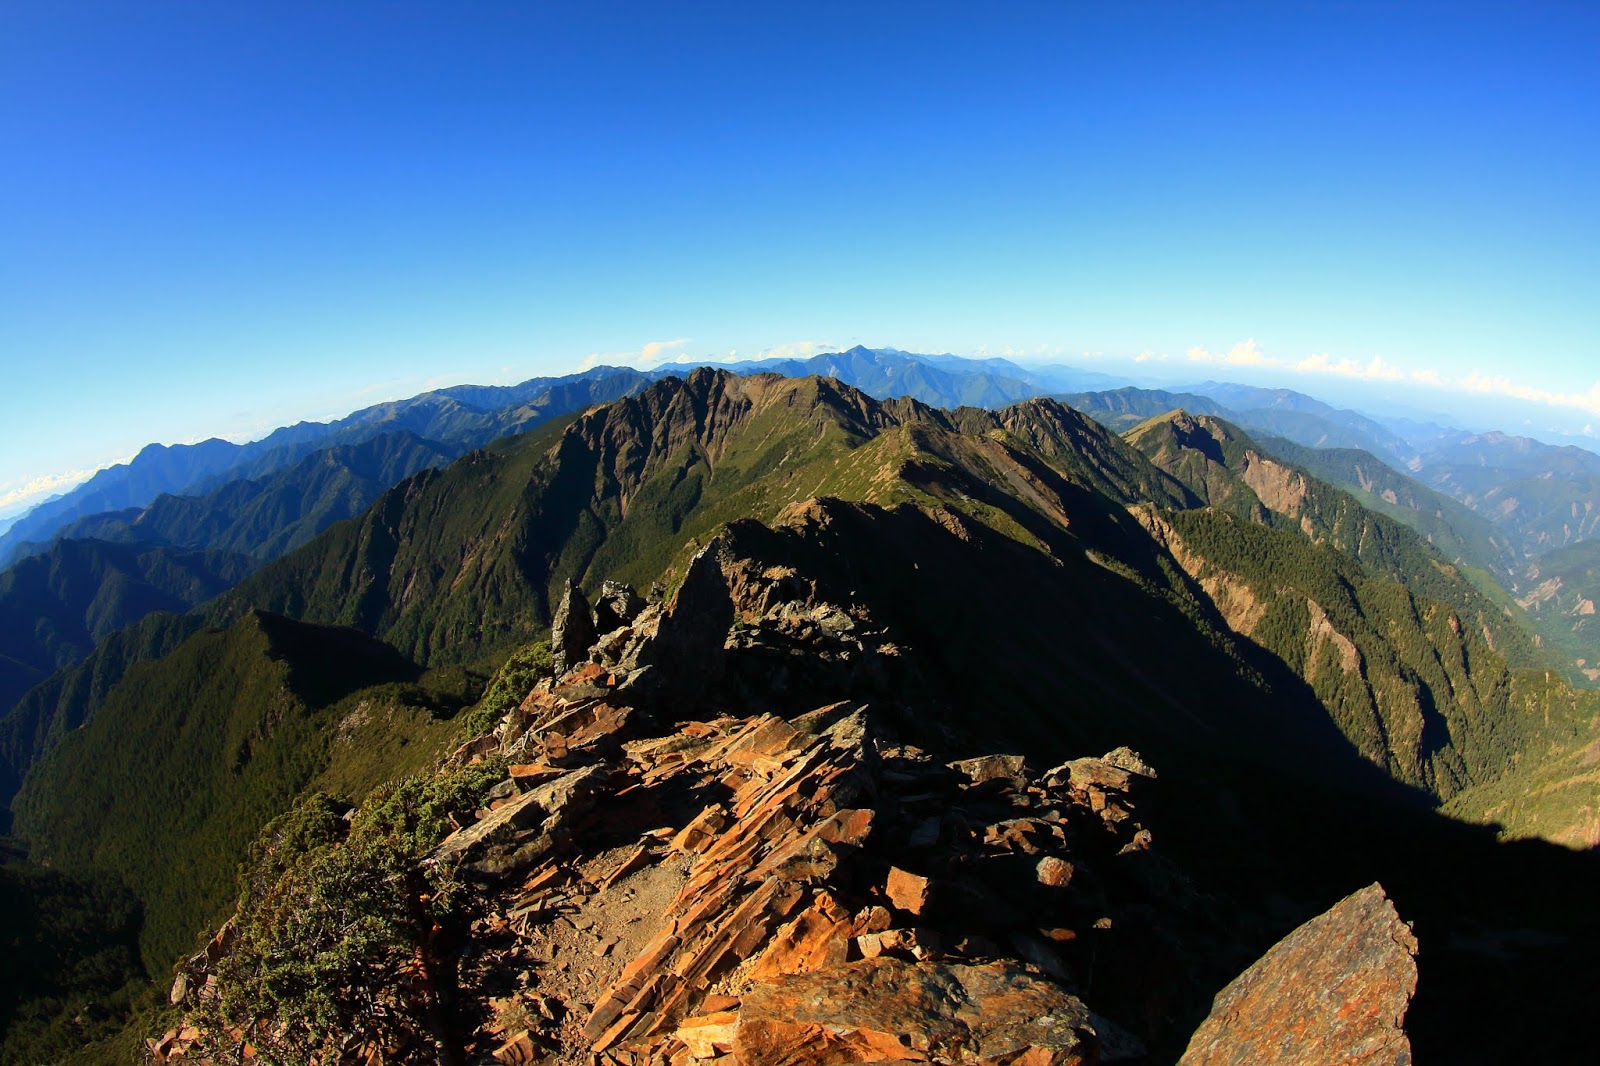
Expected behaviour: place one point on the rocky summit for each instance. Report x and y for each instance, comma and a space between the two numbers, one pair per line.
645, 887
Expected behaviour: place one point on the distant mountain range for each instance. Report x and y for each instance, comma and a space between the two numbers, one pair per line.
465, 416
1492, 502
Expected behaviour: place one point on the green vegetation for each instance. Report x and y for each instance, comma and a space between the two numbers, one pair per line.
1122, 409
1551, 793
182, 736
1560, 590
1414, 688
1538, 497
336, 926
71, 972
55, 607
1458, 533
191, 755
1227, 471
268, 691
509, 686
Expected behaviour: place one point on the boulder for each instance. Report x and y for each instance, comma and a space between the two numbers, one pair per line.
1008, 768
1334, 990
681, 648
907, 891
1055, 872
889, 1010
572, 631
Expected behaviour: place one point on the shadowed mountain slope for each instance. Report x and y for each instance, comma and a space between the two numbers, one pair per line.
1021, 580
195, 752
458, 563
55, 607
266, 518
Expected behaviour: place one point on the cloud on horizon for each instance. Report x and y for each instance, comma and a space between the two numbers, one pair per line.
797, 350
649, 355
1501, 385
1245, 353
662, 353
16, 498
1249, 354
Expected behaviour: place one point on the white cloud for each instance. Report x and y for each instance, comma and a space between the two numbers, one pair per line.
1248, 354
1245, 353
1027, 355
1499, 384
649, 355
1150, 357
787, 350
797, 350
1375, 369
651, 352
15, 497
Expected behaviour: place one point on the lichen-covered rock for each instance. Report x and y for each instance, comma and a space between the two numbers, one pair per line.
1334, 990
888, 1010
616, 606
572, 629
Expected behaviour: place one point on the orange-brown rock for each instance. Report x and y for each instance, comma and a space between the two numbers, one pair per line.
738, 889
709, 1035
1007, 768
907, 891
698, 834
889, 1010
1054, 871
1334, 990
519, 1050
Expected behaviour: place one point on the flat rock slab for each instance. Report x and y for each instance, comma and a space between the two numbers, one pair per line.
521, 814
1334, 990
889, 1010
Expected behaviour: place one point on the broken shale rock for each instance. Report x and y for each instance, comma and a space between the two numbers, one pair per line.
1334, 990
887, 1010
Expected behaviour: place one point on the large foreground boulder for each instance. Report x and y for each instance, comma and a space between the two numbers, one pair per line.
889, 1010
1334, 990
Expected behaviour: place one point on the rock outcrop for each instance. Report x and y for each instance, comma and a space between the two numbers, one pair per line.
572, 629
766, 890
649, 885
1334, 990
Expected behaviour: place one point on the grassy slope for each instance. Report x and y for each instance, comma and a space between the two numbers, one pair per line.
191, 755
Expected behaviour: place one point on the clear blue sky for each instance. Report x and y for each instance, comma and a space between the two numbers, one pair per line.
217, 218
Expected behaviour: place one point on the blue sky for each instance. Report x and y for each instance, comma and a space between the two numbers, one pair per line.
215, 219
